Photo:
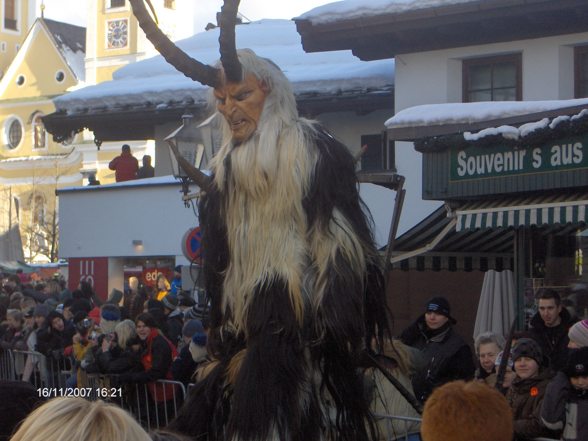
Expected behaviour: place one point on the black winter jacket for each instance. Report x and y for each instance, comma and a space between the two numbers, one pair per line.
565, 407
553, 341
447, 357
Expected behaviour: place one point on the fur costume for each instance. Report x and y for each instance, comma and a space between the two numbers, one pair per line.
294, 280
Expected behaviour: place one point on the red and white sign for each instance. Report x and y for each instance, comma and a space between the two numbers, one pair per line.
149, 275
191, 245
93, 270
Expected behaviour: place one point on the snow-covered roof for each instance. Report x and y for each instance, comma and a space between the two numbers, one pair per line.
358, 9
472, 122
155, 83
71, 42
466, 113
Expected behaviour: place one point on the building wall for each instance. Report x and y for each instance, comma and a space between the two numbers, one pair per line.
408, 292
11, 40
348, 127
434, 77
103, 221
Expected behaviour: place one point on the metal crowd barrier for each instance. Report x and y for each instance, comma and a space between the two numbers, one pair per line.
395, 427
39, 370
7, 366
154, 404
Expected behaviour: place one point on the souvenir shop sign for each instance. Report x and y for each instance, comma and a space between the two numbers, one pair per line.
478, 162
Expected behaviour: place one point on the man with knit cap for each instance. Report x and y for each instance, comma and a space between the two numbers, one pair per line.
174, 319
447, 356
184, 366
578, 335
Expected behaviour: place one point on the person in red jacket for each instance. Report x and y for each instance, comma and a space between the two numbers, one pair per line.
125, 165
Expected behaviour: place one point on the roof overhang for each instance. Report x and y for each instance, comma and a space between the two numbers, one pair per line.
446, 26
431, 131
139, 122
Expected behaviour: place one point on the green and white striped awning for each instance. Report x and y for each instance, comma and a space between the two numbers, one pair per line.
523, 212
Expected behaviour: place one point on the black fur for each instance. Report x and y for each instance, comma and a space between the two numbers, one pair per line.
276, 387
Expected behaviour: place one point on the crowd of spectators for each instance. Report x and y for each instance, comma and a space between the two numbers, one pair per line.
131, 334
144, 334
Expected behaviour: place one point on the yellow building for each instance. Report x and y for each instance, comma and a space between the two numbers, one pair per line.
41, 59
32, 166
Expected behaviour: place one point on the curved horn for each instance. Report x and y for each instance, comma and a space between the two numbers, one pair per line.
202, 180
203, 73
228, 49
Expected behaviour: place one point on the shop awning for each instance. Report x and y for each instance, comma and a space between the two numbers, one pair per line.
535, 210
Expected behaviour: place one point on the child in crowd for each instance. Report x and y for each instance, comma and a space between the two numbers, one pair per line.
526, 393
566, 399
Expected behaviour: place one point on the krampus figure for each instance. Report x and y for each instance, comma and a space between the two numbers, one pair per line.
294, 280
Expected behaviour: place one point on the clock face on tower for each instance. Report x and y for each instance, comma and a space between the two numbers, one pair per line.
117, 33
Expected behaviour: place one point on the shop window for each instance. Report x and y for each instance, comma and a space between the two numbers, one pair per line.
14, 133
379, 154
39, 132
581, 72
10, 18
492, 79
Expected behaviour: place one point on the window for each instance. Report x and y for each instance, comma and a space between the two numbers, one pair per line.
492, 79
581, 72
39, 133
38, 210
169, 4
14, 134
376, 157
2, 46
59, 76
117, 3
10, 21
20, 80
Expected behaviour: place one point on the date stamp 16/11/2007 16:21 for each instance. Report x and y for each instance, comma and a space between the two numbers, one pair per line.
82, 392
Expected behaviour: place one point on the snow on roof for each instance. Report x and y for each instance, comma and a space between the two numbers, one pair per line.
467, 113
154, 81
33, 158
356, 9
71, 42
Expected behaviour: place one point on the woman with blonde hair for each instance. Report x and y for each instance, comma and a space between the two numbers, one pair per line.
64, 419
116, 355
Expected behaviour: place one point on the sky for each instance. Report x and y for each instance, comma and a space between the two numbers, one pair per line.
74, 11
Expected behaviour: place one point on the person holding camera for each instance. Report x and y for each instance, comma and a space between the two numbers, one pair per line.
84, 341
52, 340
115, 354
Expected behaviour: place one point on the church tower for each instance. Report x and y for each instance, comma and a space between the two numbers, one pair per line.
16, 17
114, 38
